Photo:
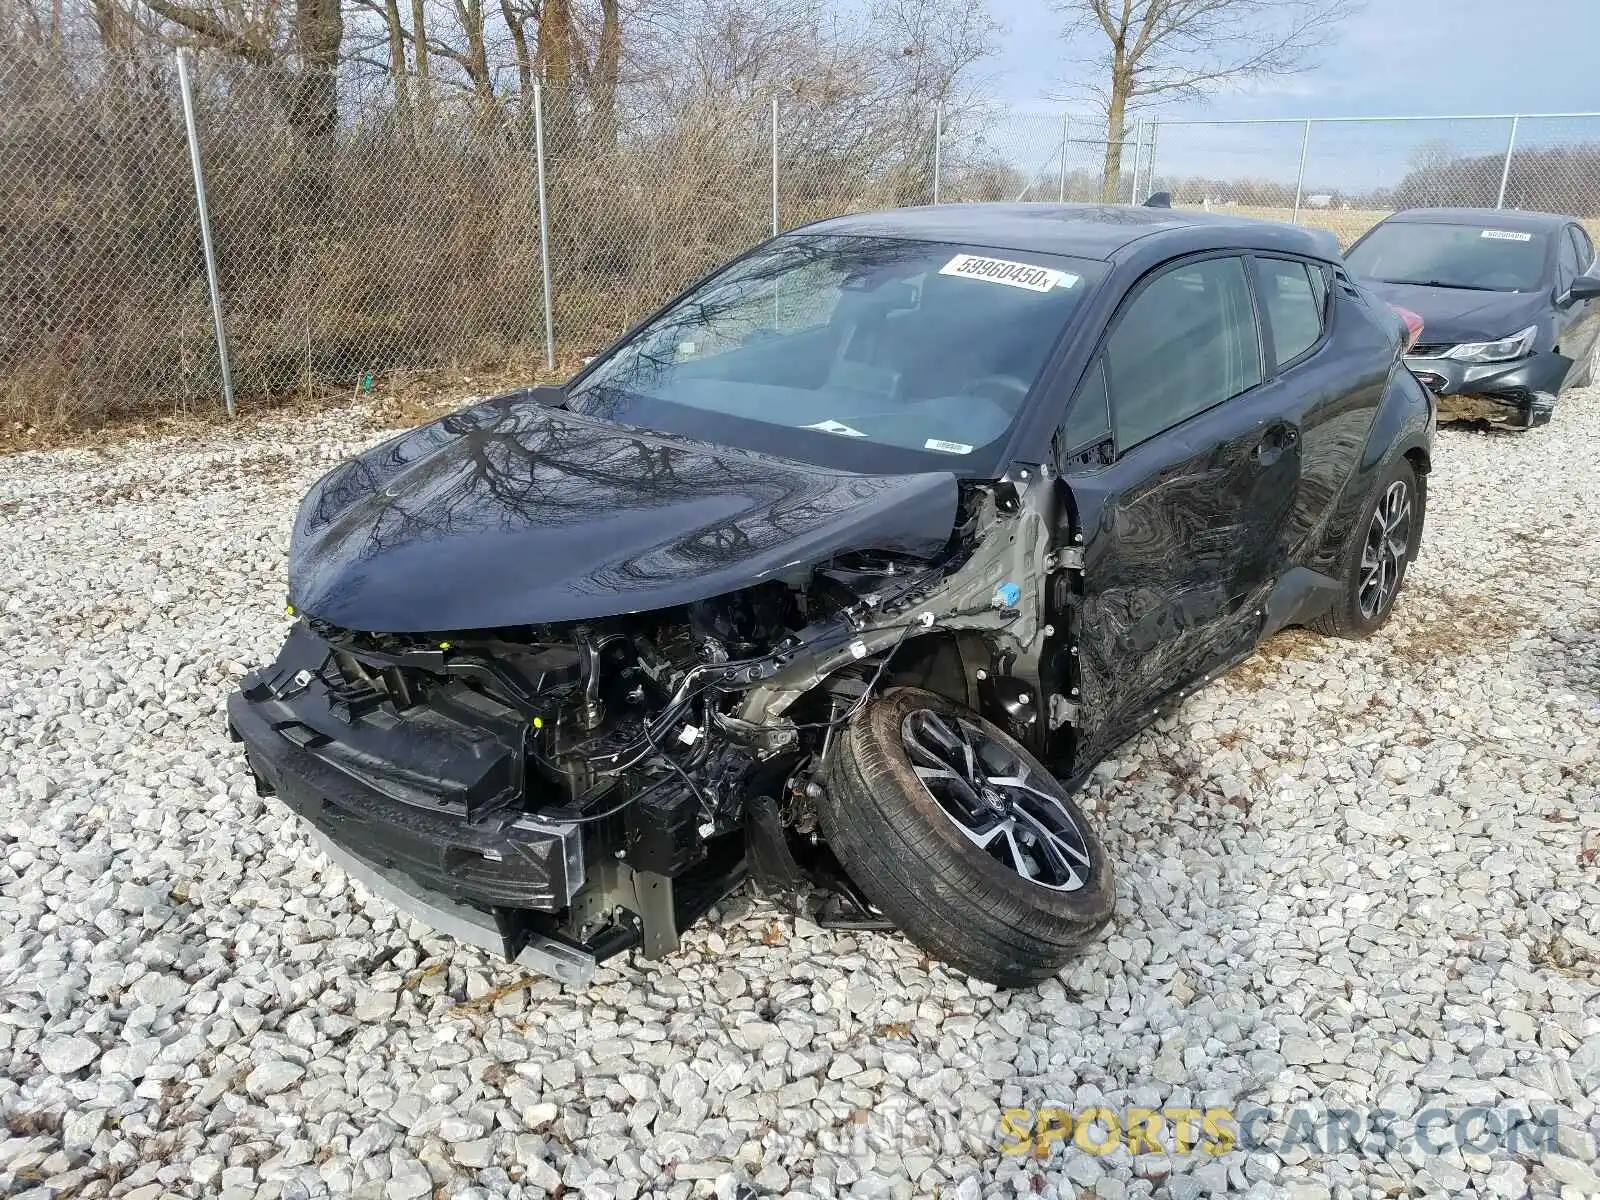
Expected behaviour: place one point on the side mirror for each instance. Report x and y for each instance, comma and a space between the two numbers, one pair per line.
1584, 287
550, 395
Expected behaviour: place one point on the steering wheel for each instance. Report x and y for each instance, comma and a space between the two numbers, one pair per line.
1006, 391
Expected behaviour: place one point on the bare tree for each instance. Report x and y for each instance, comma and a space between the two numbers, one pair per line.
1161, 50
254, 33
1430, 165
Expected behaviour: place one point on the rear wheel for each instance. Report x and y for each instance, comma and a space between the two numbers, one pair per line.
964, 840
1381, 546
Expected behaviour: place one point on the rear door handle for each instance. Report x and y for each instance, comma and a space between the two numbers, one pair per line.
1265, 455
1272, 445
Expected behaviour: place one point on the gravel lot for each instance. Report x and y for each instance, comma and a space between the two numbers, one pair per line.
1351, 874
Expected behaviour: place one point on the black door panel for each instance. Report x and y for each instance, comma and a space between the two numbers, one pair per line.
1182, 541
1185, 535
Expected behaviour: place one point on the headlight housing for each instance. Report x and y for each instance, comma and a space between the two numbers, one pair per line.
1507, 348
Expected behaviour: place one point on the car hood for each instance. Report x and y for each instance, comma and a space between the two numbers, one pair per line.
1452, 315
515, 514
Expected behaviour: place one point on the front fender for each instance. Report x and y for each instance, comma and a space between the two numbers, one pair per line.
1403, 427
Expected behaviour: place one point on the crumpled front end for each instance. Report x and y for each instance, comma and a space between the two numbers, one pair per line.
1522, 392
559, 792
426, 800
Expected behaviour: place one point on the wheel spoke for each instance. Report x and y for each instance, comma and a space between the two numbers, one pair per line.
940, 733
1075, 855
1055, 850
1018, 783
984, 838
1018, 859
1002, 803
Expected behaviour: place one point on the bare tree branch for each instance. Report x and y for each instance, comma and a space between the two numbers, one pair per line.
1160, 50
213, 31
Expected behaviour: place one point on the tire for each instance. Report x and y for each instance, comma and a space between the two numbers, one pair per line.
1359, 613
964, 905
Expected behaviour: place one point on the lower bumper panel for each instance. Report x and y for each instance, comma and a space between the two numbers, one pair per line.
474, 926
505, 860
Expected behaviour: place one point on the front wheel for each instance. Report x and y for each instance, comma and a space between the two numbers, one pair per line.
964, 840
1382, 544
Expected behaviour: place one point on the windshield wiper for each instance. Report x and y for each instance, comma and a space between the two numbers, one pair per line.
1440, 283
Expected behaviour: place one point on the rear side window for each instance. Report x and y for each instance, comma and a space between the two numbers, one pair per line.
1293, 296
1186, 343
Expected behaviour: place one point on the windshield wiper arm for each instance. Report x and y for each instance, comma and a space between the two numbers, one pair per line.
1440, 283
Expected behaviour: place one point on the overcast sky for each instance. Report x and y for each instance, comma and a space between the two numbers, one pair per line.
1395, 57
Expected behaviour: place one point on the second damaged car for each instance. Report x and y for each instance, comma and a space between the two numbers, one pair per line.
841, 572
1507, 302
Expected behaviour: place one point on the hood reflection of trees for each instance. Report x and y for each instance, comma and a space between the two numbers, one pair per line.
510, 463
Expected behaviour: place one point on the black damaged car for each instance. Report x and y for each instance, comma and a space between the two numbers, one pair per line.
1507, 300
841, 572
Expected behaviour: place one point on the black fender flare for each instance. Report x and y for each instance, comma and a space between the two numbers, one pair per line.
1402, 428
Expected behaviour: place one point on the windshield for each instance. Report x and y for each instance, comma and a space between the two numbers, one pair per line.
1459, 256
859, 353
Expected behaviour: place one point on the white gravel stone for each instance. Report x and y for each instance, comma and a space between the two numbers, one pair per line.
64, 1055
1349, 874
270, 1078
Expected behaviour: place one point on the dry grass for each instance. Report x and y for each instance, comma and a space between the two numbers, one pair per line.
1264, 666
399, 400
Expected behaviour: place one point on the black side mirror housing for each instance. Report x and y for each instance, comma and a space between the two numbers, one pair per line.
1584, 287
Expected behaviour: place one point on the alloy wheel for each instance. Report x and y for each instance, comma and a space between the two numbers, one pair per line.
989, 793
1383, 557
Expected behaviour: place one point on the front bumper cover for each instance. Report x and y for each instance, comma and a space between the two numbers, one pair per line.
1527, 386
413, 803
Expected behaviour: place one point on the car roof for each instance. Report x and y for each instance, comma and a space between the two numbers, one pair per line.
1096, 231
1516, 220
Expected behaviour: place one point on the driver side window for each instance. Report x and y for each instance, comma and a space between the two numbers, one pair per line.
1186, 343
1583, 247
1568, 267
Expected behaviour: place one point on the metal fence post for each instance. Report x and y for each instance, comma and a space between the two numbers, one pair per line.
938, 145
774, 166
1300, 175
1138, 136
205, 231
544, 228
1066, 136
1150, 159
1505, 170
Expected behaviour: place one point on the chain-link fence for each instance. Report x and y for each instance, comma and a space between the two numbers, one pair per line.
368, 227
1346, 174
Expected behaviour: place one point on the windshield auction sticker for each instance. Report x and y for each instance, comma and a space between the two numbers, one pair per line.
1012, 274
1506, 235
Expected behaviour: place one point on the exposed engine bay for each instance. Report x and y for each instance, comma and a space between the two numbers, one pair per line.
569, 791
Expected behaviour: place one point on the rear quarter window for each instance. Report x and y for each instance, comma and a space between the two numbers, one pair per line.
1294, 297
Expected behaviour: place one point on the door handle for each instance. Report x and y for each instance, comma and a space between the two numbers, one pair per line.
1272, 445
